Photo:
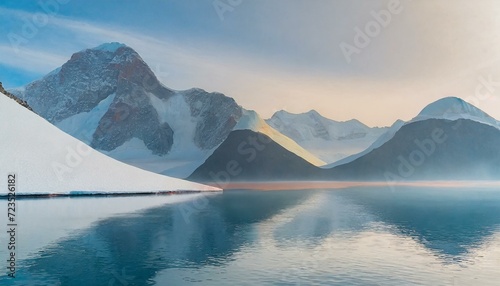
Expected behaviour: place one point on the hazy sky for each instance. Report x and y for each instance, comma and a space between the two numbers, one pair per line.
278, 54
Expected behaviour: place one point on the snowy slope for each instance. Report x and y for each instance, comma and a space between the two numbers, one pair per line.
185, 155
327, 139
453, 108
48, 161
388, 135
187, 151
83, 125
252, 121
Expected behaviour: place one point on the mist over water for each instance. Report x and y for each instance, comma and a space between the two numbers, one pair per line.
354, 236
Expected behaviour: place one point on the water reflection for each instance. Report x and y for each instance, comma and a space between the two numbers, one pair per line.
447, 221
324, 214
139, 246
347, 237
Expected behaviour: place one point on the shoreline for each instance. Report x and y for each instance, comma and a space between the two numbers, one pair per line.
309, 185
99, 194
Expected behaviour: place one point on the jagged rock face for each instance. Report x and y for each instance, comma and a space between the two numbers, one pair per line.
78, 86
216, 116
91, 76
86, 79
131, 115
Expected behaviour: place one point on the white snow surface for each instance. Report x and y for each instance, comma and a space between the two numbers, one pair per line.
327, 139
180, 162
183, 158
84, 124
388, 135
252, 121
454, 108
48, 161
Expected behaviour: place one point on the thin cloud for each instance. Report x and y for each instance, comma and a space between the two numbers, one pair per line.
36, 61
408, 66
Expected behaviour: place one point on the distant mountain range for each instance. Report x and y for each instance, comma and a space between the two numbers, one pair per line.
449, 140
109, 98
329, 140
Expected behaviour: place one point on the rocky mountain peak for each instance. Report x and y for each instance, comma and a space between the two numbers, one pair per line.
89, 77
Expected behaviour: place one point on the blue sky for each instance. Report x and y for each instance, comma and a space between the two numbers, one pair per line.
276, 54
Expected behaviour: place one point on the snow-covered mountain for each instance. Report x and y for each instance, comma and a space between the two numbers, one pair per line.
453, 108
49, 161
432, 149
329, 140
447, 108
449, 139
109, 98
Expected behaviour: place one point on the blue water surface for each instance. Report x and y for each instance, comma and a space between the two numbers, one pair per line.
355, 236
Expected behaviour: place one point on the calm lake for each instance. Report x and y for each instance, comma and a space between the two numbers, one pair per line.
354, 236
